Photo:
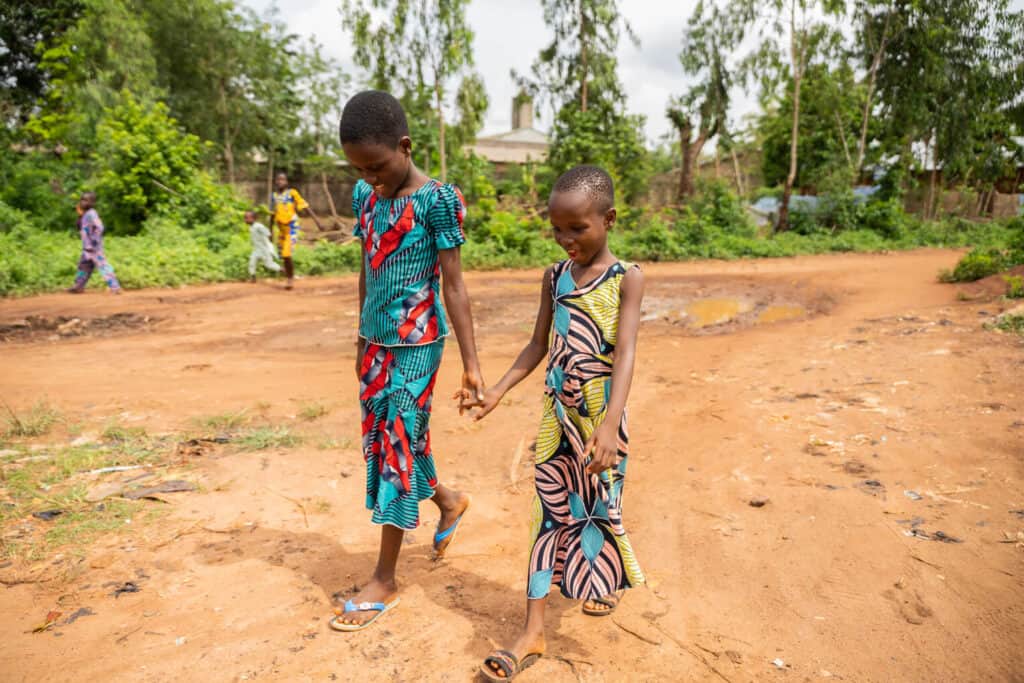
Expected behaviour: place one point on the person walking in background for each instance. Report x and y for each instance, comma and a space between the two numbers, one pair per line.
286, 204
262, 249
90, 227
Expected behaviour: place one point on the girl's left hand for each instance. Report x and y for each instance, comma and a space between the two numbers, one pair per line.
603, 448
472, 392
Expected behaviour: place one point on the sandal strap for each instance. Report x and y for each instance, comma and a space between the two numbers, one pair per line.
610, 600
508, 662
351, 606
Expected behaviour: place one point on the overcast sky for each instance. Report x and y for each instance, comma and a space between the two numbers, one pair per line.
509, 34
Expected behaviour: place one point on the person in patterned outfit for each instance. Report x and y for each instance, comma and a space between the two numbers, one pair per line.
286, 204
93, 257
410, 227
587, 327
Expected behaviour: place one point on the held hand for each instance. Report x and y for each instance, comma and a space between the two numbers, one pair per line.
490, 401
603, 448
472, 391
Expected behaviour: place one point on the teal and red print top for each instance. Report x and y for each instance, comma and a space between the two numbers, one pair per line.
401, 240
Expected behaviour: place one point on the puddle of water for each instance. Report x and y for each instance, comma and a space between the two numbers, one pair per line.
707, 312
777, 312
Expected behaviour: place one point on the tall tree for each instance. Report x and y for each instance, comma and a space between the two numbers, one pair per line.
24, 26
577, 75
952, 73
700, 113
789, 31
230, 78
106, 51
323, 87
424, 48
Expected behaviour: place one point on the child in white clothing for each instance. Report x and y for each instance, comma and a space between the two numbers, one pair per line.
262, 249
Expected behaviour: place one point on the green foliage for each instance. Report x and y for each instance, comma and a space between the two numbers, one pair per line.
612, 141
979, 263
830, 118
1014, 286
145, 161
1013, 323
36, 421
577, 74
262, 438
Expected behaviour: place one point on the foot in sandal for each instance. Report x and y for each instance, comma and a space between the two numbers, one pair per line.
504, 665
453, 505
604, 605
372, 601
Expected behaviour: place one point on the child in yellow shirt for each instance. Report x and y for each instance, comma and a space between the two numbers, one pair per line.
286, 204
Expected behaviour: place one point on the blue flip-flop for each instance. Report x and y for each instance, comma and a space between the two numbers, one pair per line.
351, 606
450, 531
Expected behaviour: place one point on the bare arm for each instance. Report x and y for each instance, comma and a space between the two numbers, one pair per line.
456, 299
603, 444
360, 342
531, 355
312, 214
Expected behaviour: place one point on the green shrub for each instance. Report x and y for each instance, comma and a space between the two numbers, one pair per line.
1014, 287
979, 263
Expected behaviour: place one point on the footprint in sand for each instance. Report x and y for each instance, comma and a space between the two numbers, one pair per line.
909, 605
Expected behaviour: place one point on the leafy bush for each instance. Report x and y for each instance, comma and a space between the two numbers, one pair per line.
1014, 287
977, 264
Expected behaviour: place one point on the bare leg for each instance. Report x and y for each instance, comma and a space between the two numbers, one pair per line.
382, 587
289, 271
451, 503
531, 640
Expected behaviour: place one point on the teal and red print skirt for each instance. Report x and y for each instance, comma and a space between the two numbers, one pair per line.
396, 386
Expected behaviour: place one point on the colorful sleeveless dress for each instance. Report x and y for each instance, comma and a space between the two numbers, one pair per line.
403, 323
577, 537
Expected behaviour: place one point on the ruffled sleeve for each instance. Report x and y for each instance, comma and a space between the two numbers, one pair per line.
360, 193
445, 217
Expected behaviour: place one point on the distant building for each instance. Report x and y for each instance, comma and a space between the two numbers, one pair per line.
523, 144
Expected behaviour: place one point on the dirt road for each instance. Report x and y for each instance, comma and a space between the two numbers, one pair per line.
881, 417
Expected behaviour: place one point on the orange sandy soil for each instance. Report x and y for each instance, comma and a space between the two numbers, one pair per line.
890, 379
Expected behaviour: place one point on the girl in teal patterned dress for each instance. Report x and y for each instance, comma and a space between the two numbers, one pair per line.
587, 326
411, 229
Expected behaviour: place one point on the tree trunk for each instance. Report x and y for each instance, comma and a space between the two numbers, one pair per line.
330, 199
736, 170
690, 152
796, 60
876, 62
718, 164
229, 155
440, 118
270, 173
929, 209
583, 59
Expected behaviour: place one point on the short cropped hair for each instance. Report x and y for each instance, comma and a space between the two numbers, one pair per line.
594, 181
375, 117
88, 194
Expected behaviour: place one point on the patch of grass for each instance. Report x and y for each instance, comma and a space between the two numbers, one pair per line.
82, 525
116, 432
320, 506
224, 421
330, 443
1014, 324
1014, 286
36, 421
313, 410
261, 438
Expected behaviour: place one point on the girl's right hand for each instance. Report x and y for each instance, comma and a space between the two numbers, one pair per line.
360, 350
489, 402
